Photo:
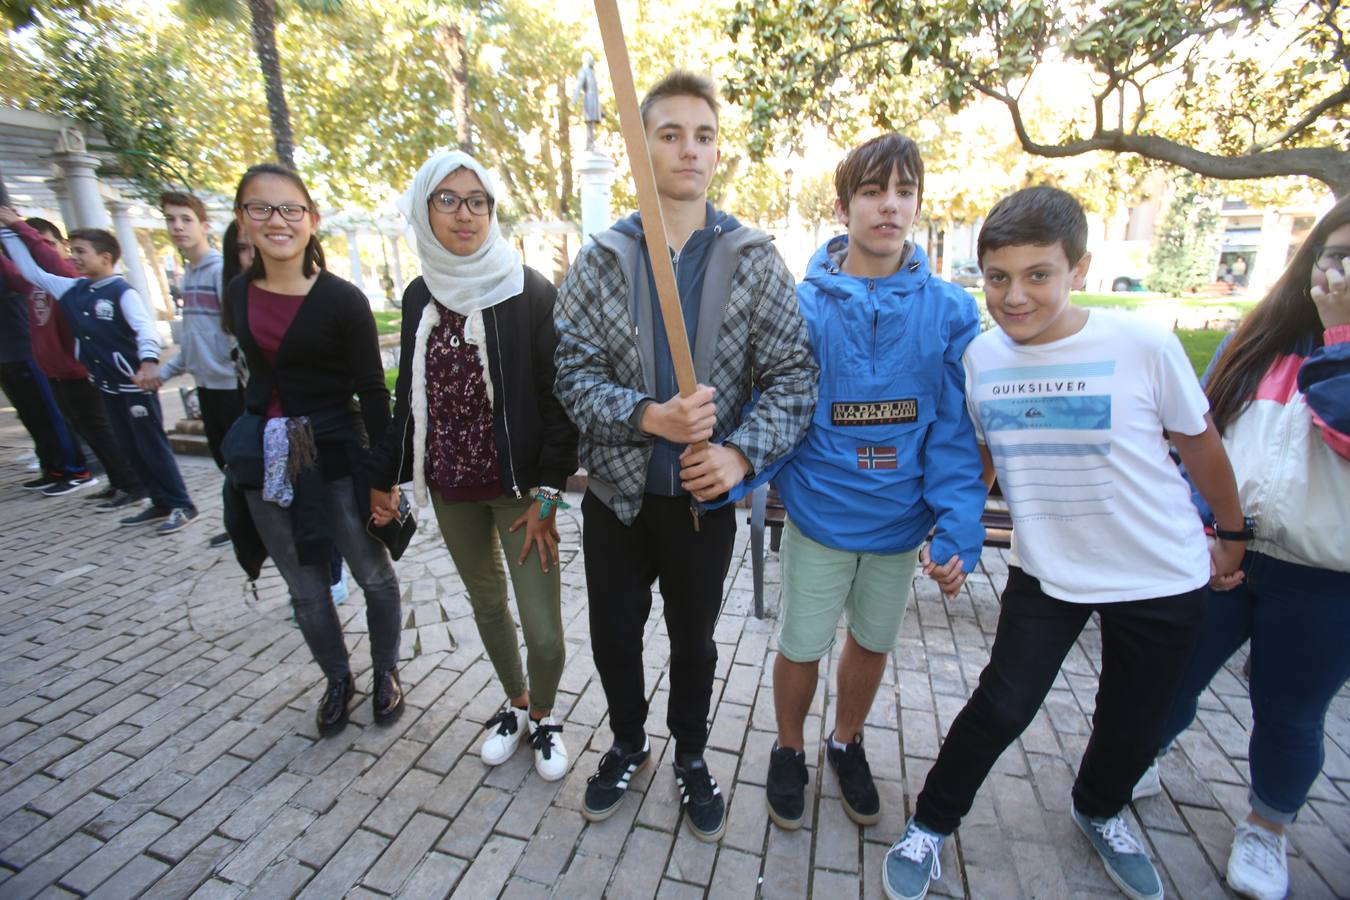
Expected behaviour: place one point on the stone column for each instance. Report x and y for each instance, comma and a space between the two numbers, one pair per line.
131, 249
354, 257
57, 185
597, 176
79, 168
396, 262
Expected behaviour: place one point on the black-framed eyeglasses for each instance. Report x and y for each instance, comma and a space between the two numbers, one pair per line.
1331, 256
261, 212
448, 202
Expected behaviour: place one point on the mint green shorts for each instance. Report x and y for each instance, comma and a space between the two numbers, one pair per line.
819, 582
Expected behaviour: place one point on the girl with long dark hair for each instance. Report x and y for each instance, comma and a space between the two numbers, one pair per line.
477, 427
1279, 390
298, 455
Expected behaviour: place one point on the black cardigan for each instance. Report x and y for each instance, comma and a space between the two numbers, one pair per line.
330, 352
536, 442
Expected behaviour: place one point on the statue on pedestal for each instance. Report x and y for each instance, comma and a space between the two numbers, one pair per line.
588, 91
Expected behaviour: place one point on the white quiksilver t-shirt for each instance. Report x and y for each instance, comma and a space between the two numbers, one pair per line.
1100, 512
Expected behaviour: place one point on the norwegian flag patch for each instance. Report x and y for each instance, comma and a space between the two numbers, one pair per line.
876, 458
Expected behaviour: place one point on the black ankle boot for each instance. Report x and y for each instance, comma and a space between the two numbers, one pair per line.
332, 715
387, 696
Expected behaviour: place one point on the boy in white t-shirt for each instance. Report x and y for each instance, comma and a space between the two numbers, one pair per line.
1073, 409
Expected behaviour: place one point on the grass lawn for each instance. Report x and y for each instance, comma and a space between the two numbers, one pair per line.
390, 376
388, 322
1200, 345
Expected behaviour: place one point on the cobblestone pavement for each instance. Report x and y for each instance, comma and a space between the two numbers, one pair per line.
156, 737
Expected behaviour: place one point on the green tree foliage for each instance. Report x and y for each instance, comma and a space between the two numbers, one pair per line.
1249, 89
1184, 247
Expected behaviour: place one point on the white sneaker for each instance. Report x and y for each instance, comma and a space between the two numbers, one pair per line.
550, 754
1257, 866
1149, 784
505, 730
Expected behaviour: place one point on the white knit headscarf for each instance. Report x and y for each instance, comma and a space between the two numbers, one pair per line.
466, 284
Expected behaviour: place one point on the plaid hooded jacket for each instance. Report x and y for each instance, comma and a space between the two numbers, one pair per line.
750, 339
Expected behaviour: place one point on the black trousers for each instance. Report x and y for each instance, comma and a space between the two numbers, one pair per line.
219, 410
622, 563
83, 406
31, 394
1145, 647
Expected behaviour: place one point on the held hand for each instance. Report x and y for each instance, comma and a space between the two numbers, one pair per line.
1225, 564
541, 533
682, 420
384, 505
9, 215
147, 377
949, 577
1333, 301
711, 472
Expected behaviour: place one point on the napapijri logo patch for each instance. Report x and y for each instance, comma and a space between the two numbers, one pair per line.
879, 412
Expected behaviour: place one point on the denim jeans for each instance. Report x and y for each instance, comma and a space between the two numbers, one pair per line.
138, 425
310, 596
1145, 646
1298, 620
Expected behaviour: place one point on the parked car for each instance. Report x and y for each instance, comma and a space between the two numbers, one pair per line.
967, 273
1123, 283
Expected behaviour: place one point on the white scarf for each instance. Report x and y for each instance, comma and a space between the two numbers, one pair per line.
465, 284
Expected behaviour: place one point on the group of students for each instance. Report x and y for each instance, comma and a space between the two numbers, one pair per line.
869, 396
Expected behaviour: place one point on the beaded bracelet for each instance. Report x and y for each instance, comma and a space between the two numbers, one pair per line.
549, 500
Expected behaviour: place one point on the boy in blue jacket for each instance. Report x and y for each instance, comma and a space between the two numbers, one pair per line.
890, 453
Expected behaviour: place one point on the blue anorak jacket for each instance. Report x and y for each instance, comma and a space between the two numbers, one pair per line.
891, 450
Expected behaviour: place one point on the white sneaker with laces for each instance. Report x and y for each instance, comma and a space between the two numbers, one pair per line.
1257, 866
550, 754
504, 733
1149, 784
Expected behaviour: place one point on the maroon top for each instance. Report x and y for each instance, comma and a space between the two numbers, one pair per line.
269, 316
53, 344
461, 448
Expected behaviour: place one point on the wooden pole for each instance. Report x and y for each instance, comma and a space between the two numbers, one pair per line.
649, 204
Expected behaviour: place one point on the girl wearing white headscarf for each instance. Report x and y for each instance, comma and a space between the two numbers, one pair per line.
479, 433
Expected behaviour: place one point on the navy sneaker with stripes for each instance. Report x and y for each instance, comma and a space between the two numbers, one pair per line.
605, 789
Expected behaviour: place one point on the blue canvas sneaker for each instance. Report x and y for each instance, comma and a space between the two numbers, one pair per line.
1122, 854
912, 863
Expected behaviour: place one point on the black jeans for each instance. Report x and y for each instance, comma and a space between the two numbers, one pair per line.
82, 405
309, 585
622, 562
219, 410
1145, 647
138, 423
29, 391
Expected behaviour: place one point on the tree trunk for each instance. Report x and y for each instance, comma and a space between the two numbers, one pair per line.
457, 61
561, 256
262, 14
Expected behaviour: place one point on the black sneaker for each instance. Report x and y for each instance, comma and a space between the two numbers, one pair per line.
108, 493
786, 787
704, 809
69, 485
218, 540
179, 518
41, 483
855, 781
606, 787
119, 501
333, 710
146, 516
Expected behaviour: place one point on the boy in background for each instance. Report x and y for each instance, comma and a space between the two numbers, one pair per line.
119, 347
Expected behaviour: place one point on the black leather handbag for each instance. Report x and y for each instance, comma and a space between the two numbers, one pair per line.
398, 531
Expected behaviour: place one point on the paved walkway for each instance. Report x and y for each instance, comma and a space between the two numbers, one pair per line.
156, 737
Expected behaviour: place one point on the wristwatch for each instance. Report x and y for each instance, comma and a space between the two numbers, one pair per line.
1246, 534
